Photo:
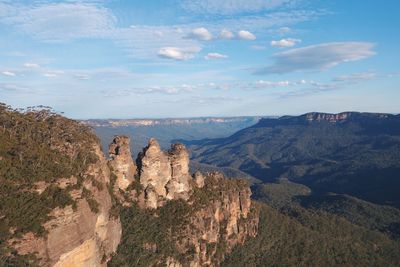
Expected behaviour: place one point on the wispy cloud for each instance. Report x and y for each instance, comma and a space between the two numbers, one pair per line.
229, 7
356, 77
215, 56
289, 42
8, 73
284, 30
73, 20
31, 65
226, 34
178, 53
258, 47
318, 57
61, 21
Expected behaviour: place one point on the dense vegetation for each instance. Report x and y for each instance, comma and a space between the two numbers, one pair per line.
300, 237
149, 237
298, 228
359, 156
37, 145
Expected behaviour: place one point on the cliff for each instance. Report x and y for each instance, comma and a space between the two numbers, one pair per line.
55, 206
64, 204
173, 218
82, 234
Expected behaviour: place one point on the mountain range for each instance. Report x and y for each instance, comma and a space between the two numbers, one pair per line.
166, 131
323, 193
348, 153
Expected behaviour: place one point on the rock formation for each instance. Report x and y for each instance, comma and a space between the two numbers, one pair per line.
210, 214
164, 175
217, 212
216, 228
78, 236
121, 162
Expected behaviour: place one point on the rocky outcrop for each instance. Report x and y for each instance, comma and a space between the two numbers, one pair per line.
315, 116
207, 217
225, 220
121, 162
164, 175
78, 236
213, 214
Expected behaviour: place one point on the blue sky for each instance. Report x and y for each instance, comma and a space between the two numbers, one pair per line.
186, 58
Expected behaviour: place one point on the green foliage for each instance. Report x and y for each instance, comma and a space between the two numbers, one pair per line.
37, 146
150, 227
300, 237
358, 157
385, 219
279, 194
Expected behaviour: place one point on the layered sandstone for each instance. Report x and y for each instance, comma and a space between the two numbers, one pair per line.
217, 212
225, 220
121, 162
164, 175
78, 236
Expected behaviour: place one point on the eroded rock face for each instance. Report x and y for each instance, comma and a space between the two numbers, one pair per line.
121, 162
198, 179
179, 184
78, 237
164, 175
216, 228
218, 212
154, 168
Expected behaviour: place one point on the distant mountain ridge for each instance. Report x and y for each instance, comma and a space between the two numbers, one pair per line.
168, 121
330, 117
348, 153
166, 131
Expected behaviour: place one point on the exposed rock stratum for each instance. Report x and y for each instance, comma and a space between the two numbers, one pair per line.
218, 213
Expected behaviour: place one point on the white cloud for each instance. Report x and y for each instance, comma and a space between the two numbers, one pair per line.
71, 20
246, 35
225, 34
8, 73
229, 7
285, 42
215, 56
201, 34
178, 53
318, 57
31, 65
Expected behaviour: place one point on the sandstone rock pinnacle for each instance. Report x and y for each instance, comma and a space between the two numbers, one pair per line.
166, 172
121, 162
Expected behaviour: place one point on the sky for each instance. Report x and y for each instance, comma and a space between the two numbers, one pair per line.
190, 58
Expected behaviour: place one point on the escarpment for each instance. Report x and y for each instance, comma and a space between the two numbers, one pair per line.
64, 204
81, 234
174, 218
55, 206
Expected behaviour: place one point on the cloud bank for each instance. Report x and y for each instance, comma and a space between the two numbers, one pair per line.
318, 57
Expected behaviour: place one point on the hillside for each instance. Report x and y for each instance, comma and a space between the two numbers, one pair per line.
348, 153
299, 237
62, 203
